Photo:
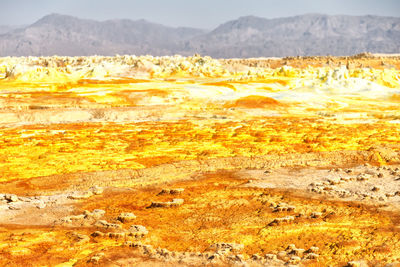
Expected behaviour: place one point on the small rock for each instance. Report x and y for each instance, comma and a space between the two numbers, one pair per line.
64, 221
81, 195
281, 255
390, 195
316, 215
80, 238
116, 235
126, 217
357, 264
96, 258
226, 247
177, 201
175, 191
148, 250
283, 207
105, 224
238, 258
312, 256
297, 252
137, 231
334, 181
11, 198
156, 204
376, 189
12, 206
270, 256
96, 190
174, 203
213, 257
97, 234
98, 213
294, 260
345, 179
382, 198
290, 247
278, 221
25, 199
313, 250
363, 177
41, 205
132, 244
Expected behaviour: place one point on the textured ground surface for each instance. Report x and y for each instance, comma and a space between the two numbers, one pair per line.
193, 161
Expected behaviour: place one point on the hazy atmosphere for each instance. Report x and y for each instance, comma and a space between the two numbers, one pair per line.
200, 14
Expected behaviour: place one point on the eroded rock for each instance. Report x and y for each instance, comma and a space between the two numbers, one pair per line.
80, 195
11, 198
137, 231
174, 203
225, 247
175, 191
96, 190
107, 225
278, 221
126, 217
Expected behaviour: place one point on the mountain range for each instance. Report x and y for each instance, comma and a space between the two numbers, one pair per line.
249, 36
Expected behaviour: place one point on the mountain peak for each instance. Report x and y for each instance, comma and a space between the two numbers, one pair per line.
54, 17
58, 19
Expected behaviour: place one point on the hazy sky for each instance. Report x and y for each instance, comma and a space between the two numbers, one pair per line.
199, 13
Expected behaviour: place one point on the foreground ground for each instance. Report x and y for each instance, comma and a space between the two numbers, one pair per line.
194, 161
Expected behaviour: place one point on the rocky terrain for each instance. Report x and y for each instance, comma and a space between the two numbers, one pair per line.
193, 161
304, 35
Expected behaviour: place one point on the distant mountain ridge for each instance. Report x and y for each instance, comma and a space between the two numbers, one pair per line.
7, 28
311, 34
70, 36
250, 36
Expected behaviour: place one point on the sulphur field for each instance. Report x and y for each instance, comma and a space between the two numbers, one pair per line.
193, 161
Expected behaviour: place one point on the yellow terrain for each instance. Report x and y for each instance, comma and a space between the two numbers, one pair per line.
189, 161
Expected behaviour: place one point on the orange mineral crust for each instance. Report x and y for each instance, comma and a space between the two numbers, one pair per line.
193, 161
